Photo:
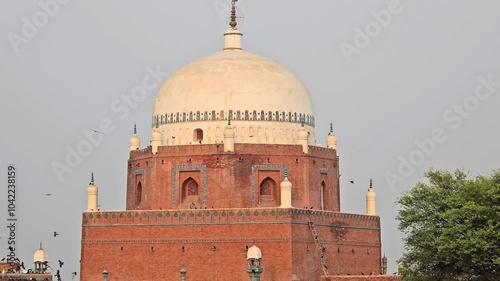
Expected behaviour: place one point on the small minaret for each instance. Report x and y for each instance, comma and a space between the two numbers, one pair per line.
105, 275
254, 258
156, 137
384, 265
92, 192
286, 191
229, 136
41, 260
232, 37
135, 141
331, 139
183, 274
303, 136
370, 201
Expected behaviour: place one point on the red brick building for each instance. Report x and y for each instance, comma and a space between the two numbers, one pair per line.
232, 162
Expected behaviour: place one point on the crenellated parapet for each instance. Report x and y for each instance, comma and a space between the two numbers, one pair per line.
141, 152
241, 148
322, 151
238, 215
236, 115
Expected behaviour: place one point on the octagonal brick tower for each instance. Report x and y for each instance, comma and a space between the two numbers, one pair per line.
232, 162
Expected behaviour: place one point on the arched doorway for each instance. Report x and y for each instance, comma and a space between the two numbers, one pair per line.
268, 193
190, 193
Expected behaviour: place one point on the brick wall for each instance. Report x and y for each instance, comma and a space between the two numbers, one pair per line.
231, 180
211, 244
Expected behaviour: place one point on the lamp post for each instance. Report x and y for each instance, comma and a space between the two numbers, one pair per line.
254, 258
183, 274
384, 265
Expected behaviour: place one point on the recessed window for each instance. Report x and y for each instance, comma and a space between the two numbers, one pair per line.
198, 136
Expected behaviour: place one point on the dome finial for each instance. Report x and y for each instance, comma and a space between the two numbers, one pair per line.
371, 186
331, 127
229, 120
135, 129
41, 246
233, 22
91, 178
157, 125
285, 173
302, 120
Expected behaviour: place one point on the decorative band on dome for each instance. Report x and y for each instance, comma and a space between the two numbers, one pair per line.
236, 115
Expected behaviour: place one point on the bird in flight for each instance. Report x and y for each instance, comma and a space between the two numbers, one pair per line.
96, 131
48, 194
55, 234
73, 273
61, 263
351, 181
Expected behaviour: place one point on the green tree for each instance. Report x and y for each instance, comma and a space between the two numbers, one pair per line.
452, 227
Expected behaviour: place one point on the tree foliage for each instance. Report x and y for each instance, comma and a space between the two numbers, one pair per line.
452, 227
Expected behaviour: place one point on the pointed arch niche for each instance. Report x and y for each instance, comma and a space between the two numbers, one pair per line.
138, 190
264, 175
190, 192
323, 195
138, 194
268, 191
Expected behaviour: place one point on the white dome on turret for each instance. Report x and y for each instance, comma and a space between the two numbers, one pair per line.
254, 253
40, 255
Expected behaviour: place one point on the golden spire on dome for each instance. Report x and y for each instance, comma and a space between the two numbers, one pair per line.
232, 37
233, 22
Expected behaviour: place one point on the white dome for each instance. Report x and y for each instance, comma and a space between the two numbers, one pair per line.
135, 140
265, 99
40, 256
233, 80
286, 184
156, 136
254, 253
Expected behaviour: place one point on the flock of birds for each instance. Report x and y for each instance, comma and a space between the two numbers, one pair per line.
61, 263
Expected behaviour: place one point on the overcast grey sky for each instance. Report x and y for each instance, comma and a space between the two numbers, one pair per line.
413, 77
